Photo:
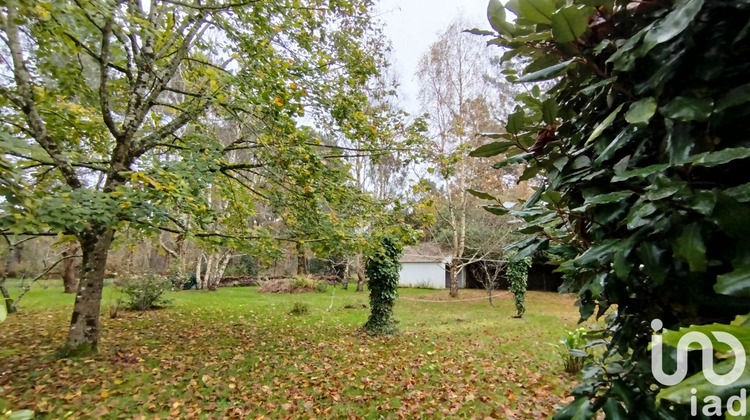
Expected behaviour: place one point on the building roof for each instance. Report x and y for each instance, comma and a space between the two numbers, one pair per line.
428, 252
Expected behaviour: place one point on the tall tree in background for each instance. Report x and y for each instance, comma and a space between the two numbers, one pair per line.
454, 92
101, 90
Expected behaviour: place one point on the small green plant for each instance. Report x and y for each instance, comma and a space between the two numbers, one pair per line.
573, 350
300, 308
321, 286
146, 292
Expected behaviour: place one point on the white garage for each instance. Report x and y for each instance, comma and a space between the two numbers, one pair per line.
425, 266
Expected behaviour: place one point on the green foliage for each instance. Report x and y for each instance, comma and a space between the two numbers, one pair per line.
573, 351
321, 286
644, 199
517, 272
382, 271
145, 292
300, 308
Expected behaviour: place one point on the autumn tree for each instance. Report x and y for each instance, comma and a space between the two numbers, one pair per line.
100, 90
454, 92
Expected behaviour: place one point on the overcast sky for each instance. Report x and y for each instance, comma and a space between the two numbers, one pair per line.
412, 25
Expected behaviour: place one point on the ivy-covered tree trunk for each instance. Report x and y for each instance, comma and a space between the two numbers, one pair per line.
518, 275
383, 271
83, 335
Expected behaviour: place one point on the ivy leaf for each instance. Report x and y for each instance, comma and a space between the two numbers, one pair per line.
640, 112
688, 109
569, 23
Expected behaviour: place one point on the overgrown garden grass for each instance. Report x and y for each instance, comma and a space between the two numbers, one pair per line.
236, 352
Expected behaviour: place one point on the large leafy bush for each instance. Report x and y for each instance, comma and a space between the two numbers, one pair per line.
643, 145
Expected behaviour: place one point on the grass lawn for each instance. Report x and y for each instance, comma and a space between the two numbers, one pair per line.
238, 353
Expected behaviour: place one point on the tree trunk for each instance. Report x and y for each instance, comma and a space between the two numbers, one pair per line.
7, 301
301, 260
454, 279
83, 335
9, 306
360, 274
219, 273
198, 272
345, 280
70, 282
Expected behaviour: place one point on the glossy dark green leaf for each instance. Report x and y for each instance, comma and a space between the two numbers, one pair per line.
546, 74
736, 283
580, 409
671, 25
688, 109
689, 246
481, 194
734, 97
640, 112
492, 149
568, 23
612, 197
539, 11
516, 121
514, 160
496, 210
641, 172
549, 111
721, 157
497, 18
599, 129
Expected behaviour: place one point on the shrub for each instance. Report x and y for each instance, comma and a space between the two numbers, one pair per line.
145, 292
642, 147
573, 351
300, 308
321, 286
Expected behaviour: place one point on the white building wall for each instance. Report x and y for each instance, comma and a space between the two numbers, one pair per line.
422, 273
